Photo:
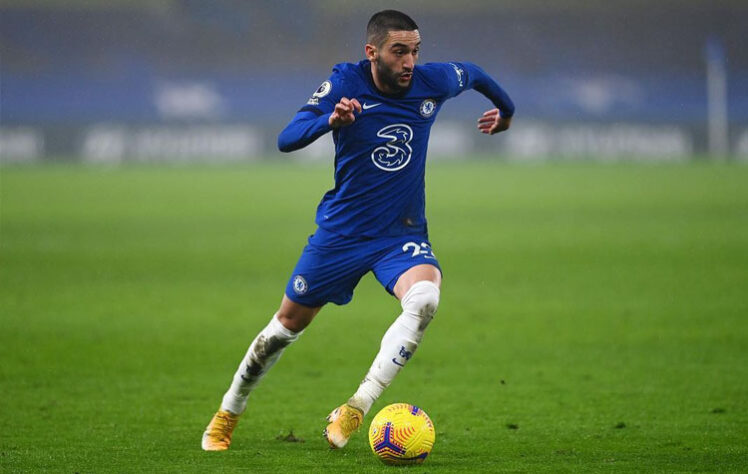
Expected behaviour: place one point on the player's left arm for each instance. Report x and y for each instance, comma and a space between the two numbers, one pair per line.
491, 122
463, 76
494, 120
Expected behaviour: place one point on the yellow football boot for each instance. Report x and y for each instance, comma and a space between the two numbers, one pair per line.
217, 436
344, 421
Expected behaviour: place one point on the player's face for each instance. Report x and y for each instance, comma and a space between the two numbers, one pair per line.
396, 58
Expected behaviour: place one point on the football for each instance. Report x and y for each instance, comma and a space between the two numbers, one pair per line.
401, 434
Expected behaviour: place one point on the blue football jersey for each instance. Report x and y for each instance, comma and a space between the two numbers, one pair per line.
380, 158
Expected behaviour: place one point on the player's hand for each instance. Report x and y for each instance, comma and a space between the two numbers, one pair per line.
344, 113
491, 122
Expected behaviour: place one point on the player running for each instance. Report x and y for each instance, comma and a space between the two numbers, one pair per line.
380, 112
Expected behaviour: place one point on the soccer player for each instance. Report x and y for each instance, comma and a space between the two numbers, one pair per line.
380, 112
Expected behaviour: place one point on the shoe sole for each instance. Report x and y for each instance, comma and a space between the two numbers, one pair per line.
331, 418
207, 447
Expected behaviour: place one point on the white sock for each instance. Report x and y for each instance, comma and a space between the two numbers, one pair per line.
399, 343
264, 351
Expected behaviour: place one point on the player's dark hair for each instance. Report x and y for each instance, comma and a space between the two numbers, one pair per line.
385, 21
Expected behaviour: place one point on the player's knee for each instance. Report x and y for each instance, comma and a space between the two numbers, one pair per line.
422, 300
294, 316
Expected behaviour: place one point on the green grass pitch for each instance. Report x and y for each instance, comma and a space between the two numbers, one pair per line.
594, 318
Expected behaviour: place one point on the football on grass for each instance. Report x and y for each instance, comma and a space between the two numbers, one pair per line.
401, 434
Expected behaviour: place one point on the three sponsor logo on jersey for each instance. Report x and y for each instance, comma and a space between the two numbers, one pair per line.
394, 155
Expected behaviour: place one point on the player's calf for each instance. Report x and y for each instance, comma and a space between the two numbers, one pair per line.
264, 351
399, 343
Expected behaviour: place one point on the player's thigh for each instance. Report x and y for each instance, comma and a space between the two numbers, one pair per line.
408, 259
327, 271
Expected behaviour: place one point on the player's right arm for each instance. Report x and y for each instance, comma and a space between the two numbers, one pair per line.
344, 113
327, 109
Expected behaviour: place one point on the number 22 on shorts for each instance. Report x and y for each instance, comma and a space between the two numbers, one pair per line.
423, 249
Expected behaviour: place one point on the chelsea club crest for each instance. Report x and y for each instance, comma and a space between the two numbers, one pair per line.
428, 107
299, 285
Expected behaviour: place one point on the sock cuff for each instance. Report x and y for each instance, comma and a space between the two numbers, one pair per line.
282, 331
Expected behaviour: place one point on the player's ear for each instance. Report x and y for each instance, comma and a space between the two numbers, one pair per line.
371, 52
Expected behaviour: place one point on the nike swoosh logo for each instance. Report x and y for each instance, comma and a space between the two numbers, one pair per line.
370, 106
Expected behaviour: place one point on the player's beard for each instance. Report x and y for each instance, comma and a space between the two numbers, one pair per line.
390, 77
